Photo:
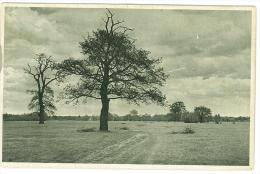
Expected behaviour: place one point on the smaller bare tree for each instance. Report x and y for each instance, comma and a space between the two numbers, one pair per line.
43, 74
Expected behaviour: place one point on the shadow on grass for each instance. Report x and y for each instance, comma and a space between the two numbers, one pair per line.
92, 129
124, 128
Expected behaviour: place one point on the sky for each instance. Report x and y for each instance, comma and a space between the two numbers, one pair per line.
205, 52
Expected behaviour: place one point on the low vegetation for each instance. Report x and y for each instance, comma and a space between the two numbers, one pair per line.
58, 142
186, 130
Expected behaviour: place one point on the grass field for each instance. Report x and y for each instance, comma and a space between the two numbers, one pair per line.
140, 143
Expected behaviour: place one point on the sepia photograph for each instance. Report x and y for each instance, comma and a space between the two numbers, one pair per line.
136, 84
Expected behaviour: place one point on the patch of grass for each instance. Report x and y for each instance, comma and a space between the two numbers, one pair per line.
140, 125
92, 129
59, 142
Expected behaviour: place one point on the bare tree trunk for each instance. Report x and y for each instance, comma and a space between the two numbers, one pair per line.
201, 119
105, 101
41, 113
104, 115
41, 117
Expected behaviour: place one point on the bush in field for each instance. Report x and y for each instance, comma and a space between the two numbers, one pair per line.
188, 130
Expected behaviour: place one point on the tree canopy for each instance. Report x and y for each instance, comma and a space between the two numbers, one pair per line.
114, 68
177, 109
48, 101
202, 112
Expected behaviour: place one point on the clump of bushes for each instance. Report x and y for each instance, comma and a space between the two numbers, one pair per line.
92, 129
186, 130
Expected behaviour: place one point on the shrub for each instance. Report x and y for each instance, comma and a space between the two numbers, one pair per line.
188, 130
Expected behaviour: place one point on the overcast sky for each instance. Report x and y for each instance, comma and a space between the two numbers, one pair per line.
206, 53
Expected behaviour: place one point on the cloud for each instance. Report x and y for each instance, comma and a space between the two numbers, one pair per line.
236, 66
223, 95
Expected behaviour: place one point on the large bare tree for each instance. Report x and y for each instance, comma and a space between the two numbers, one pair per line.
113, 68
43, 74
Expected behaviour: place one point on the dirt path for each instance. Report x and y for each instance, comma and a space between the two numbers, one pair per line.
151, 157
115, 152
140, 148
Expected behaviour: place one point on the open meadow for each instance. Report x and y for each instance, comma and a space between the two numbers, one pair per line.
127, 142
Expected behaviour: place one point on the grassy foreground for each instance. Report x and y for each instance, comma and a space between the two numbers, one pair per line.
127, 142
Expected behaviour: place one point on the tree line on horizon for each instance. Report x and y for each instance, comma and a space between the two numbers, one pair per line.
178, 113
114, 117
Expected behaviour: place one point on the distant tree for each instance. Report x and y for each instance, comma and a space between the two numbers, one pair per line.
43, 74
113, 68
210, 118
177, 109
202, 112
110, 117
160, 118
217, 119
190, 117
134, 112
146, 117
